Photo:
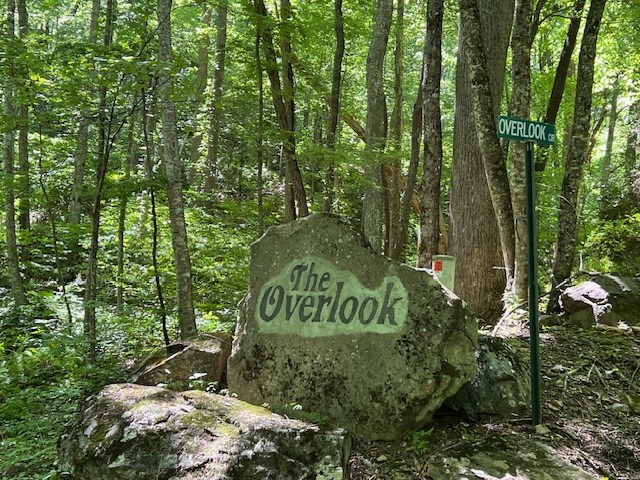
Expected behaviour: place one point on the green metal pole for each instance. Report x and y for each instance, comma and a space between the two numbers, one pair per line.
534, 328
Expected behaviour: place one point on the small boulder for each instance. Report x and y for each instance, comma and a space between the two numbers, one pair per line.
202, 359
135, 432
604, 299
346, 334
502, 386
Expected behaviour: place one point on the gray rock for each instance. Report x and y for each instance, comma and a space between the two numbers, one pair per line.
134, 432
200, 360
346, 334
604, 299
511, 457
502, 385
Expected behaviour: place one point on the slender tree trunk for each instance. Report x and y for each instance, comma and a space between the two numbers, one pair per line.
282, 93
334, 103
82, 142
148, 130
182, 260
103, 152
122, 214
215, 108
475, 238
606, 164
372, 209
576, 156
562, 73
13, 261
520, 107
432, 135
24, 183
200, 87
632, 169
260, 135
288, 91
392, 168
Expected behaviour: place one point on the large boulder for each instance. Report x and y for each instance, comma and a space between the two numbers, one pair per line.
347, 335
604, 299
201, 360
502, 385
135, 432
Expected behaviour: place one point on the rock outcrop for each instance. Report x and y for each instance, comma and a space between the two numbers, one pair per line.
501, 387
333, 330
134, 432
201, 360
604, 299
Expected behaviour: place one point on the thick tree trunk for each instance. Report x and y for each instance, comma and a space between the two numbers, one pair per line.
475, 237
432, 135
182, 260
520, 107
576, 156
215, 108
372, 209
13, 261
334, 103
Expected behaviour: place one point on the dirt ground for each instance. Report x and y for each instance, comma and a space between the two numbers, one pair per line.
590, 406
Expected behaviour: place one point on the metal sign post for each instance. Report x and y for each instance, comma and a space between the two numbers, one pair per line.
534, 328
543, 134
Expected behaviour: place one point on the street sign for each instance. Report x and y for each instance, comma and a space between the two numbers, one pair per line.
543, 134
516, 128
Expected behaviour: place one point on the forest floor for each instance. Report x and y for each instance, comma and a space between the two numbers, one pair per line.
590, 407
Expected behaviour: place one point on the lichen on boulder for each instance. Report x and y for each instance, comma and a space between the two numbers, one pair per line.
346, 334
134, 432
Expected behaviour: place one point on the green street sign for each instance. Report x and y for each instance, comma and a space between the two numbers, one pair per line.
526, 131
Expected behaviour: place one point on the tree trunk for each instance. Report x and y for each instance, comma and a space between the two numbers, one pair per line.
201, 84
82, 142
376, 128
24, 183
148, 130
103, 152
562, 73
475, 237
432, 135
13, 261
334, 103
260, 136
288, 91
283, 102
392, 168
520, 107
606, 164
132, 154
576, 156
632, 169
215, 107
182, 260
